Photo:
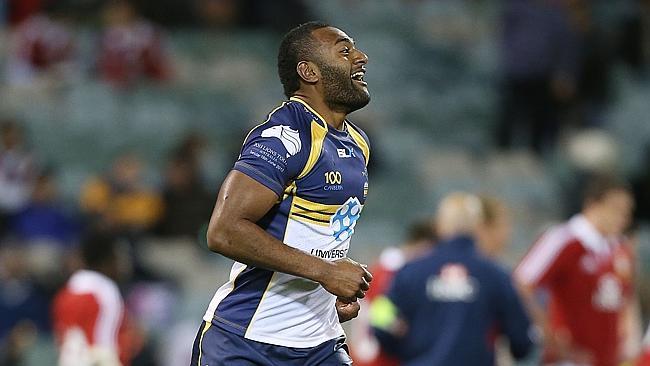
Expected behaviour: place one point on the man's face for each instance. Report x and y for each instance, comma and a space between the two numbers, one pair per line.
615, 210
342, 68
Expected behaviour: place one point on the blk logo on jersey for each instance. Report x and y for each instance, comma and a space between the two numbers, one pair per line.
289, 137
346, 153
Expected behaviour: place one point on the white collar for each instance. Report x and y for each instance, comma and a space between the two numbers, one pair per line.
586, 232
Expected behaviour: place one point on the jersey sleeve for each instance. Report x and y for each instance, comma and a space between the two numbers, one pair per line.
550, 257
275, 152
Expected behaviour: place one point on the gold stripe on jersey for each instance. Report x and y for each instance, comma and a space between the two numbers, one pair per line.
310, 220
289, 191
318, 134
361, 142
205, 330
312, 212
322, 121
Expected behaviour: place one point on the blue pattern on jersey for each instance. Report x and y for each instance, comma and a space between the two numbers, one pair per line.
345, 219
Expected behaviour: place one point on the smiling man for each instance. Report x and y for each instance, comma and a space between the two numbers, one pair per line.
286, 213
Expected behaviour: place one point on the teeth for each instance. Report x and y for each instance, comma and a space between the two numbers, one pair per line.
358, 75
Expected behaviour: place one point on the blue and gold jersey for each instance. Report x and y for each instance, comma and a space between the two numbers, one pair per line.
320, 176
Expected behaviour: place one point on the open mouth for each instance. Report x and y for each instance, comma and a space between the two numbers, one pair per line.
358, 77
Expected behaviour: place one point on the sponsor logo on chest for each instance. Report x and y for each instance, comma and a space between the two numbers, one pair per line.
346, 153
453, 284
333, 181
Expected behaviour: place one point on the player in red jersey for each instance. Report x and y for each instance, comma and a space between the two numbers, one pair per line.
579, 263
88, 313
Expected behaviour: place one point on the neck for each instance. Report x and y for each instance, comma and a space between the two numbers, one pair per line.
333, 118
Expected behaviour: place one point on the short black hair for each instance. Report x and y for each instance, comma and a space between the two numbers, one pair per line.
297, 45
98, 248
599, 186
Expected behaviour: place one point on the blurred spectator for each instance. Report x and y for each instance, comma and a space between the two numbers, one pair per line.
595, 66
218, 13
444, 308
587, 276
16, 172
89, 318
131, 48
539, 66
14, 346
191, 149
44, 218
42, 47
187, 204
121, 201
23, 304
365, 350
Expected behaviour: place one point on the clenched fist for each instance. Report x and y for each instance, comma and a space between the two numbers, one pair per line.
346, 279
346, 310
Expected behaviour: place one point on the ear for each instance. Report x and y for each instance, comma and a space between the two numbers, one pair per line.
308, 71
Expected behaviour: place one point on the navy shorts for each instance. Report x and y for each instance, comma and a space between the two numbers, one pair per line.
216, 347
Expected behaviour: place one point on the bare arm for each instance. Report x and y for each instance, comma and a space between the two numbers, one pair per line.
234, 233
631, 334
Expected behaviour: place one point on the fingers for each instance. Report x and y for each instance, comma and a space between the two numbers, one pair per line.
350, 270
349, 300
365, 286
367, 275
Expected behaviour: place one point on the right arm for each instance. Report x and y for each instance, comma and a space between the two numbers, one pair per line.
233, 232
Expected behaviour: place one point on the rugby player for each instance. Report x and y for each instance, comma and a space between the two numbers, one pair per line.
286, 213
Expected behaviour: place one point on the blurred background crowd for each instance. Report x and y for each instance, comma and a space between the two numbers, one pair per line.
124, 116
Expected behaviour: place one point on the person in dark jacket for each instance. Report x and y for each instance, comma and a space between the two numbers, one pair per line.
448, 307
